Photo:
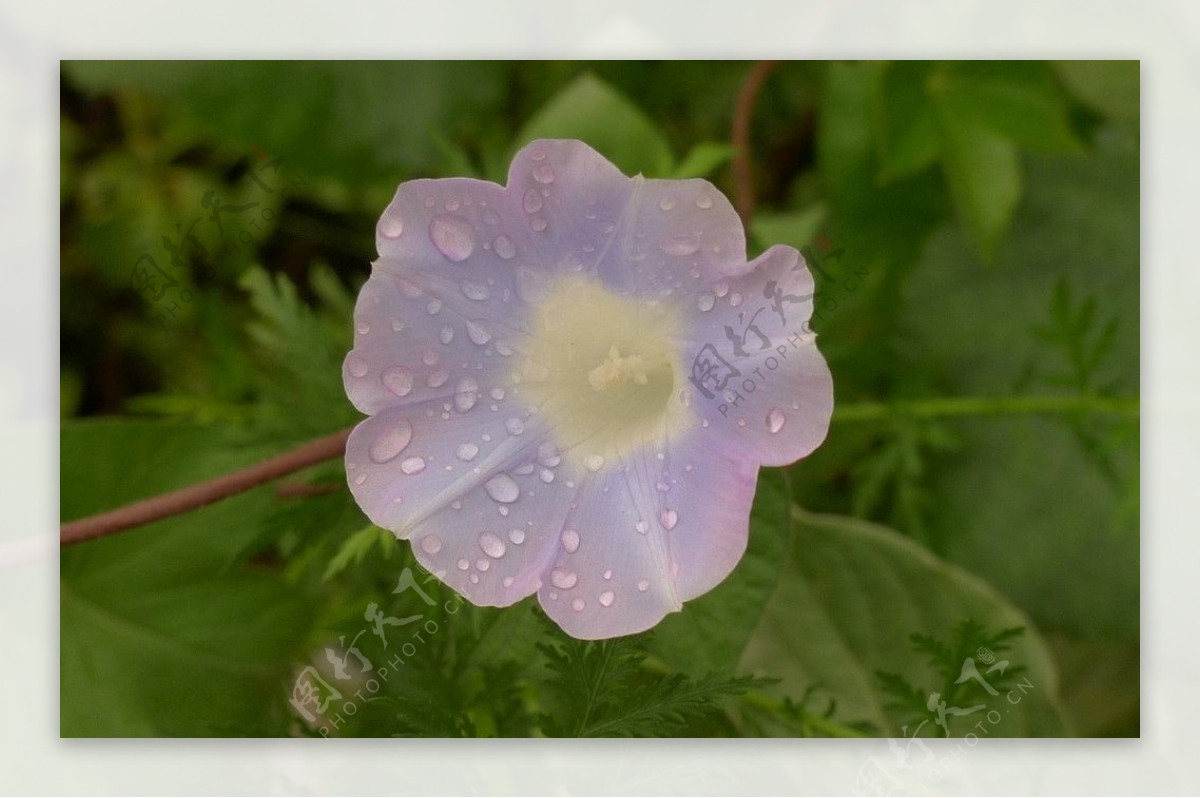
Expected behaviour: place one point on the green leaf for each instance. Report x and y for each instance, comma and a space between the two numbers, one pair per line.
711, 632
907, 132
703, 159
594, 112
849, 599
797, 229
164, 630
1111, 87
984, 176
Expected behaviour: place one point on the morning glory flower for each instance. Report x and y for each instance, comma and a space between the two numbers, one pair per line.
572, 381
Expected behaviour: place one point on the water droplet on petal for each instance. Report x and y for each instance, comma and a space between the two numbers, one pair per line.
482, 564
570, 541
467, 451
704, 201
685, 398
667, 203
608, 574
641, 526
593, 462
413, 465
474, 291
775, 420
478, 333
398, 380
391, 442
453, 237
607, 598
357, 366
532, 202
504, 247
679, 245
446, 335
546, 475
431, 544
474, 579
544, 174
563, 579
721, 288
668, 518
706, 302
515, 426
507, 581
391, 226
430, 357
502, 488
643, 585
466, 393
438, 378
517, 536
434, 306
538, 225
362, 328
463, 564
496, 393
735, 299
578, 604
492, 546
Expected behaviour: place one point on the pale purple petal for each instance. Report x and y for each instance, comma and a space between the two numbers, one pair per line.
756, 376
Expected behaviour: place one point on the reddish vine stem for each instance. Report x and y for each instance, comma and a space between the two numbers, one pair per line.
203, 493
743, 113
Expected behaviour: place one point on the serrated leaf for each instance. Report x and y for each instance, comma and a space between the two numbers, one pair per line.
594, 112
848, 600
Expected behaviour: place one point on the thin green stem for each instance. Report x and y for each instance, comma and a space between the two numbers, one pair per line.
986, 406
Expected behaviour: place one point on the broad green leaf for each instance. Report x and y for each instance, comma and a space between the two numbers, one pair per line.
711, 632
849, 597
907, 132
164, 630
1111, 87
590, 110
796, 229
984, 175
703, 159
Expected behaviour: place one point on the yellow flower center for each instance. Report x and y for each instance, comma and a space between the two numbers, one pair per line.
604, 368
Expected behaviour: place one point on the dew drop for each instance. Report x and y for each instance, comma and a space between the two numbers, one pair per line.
515, 426
666, 203
360, 479
466, 393
735, 299
492, 546
532, 202
438, 378
706, 302
496, 393
413, 465
608, 574
546, 475
721, 288
478, 333
641, 526
362, 328
607, 598
482, 564
430, 357
563, 579
775, 420
570, 541
397, 326
704, 201
668, 518
452, 204
741, 422
453, 237
544, 174
357, 366
517, 536
434, 306
398, 380
593, 462
538, 225
502, 488
504, 247
685, 398
431, 544
391, 442
679, 245
643, 585
474, 291
507, 581
391, 226
446, 335
463, 564
578, 604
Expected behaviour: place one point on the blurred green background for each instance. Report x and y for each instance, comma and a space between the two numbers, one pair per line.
977, 226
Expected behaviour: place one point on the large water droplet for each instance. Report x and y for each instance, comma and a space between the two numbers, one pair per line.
453, 237
393, 440
532, 202
607, 598
413, 465
593, 462
431, 544
504, 247
467, 451
570, 540
563, 578
775, 420
478, 333
357, 366
502, 488
475, 291
679, 245
466, 393
517, 536
544, 174
391, 225
492, 546
398, 380
706, 302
